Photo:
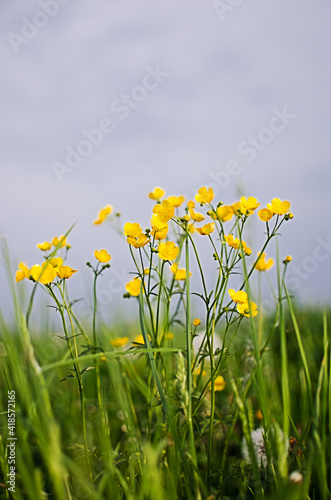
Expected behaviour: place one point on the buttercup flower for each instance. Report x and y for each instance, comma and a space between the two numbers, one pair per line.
133, 287
262, 264
56, 261
65, 272
44, 246
159, 228
234, 242
169, 336
204, 195
219, 383
45, 273
247, 206
225, 213
265, 214
196, 322
165, 211
103, 214
194, 215
135, 236
238, 297
22, 272
287, 259
176, 201
102, 255
279, 207
179, 274
244, 309
206, 229
56, 240
119, 341
168, 251
139, 339
248, 251
156, 194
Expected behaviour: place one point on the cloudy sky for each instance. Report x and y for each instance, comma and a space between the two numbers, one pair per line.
102, 101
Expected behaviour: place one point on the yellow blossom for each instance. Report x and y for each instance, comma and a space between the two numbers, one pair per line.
139, 339
196, 322
159, 228
279, 207
140, 241
165, 211
44, 246
169, 336
176, 201
132, 229
198, 371
133, 287
22, 272
239, 297
179, 274
194, 215
160, 234
65, 272
146, 270
102, 255
290, 215
45, 273
248, 251
56, 240
249, 204
103, 359
119, 341
262, 264
156, 194
219, 383
244, 309
56, 261
288, 258
258, 415
204, 195
103, 214
206, 229
225, 213
265, 214
168, 251
234, 242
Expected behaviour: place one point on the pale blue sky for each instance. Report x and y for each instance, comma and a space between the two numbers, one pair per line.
194, 90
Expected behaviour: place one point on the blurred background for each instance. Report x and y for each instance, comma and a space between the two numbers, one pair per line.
104, 100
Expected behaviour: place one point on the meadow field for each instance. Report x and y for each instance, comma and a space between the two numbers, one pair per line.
228, 400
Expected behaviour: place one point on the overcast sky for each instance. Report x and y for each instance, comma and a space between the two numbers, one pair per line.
102, 101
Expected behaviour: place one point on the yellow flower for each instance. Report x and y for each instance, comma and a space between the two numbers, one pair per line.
160, 234
132, 229
179, 274
225, 212
165, 211
279, 207
244, 309
44, 246
65, 272
239, 297
204, 195
249, 204
159, 228
290, 215
248, 251
102, 255
168, 251
146, 270
135, 236
169, 336
196, 322
103, 359
206, 229
258, 415
45, 273
119, 341
194, 215
156, 194
288, 258
139, 339
133, 287
56, 240
262, 264
22, 272
103, 214
176, 201
197, 371
234, 242
56, 261
265, 214
219, 383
